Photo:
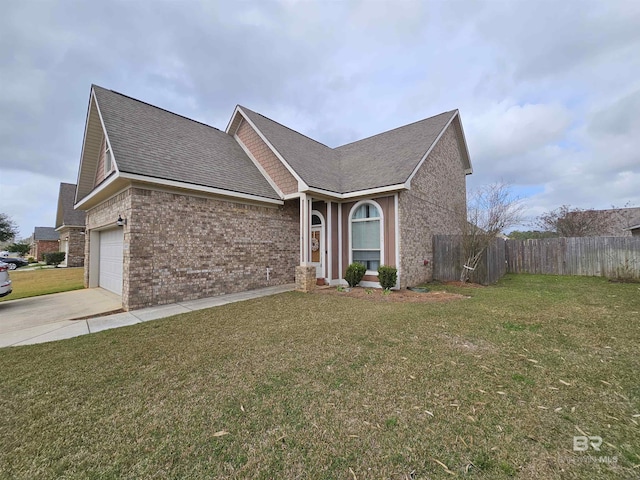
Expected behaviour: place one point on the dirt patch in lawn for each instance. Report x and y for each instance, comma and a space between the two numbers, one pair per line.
464, 284
404, 295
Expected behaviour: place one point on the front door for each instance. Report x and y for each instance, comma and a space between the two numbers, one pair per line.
317, 244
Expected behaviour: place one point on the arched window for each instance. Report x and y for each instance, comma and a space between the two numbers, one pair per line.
366, 235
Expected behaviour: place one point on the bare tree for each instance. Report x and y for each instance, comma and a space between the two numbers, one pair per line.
490, 210
566, 221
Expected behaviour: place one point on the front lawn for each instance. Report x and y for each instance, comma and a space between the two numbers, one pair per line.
31, 283
322, 386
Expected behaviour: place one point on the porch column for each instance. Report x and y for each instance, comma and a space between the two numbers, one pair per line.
329, 234
304, 227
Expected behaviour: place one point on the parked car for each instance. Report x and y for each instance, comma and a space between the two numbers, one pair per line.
5, 281
15, 262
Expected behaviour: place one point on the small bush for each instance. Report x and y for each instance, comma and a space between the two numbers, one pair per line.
32, 260
54, 258
387, 276
354, 274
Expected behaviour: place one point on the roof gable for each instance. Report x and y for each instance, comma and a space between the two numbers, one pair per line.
66, 214
386, 159
153, 143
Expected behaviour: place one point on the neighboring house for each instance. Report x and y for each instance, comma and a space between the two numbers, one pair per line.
634, 227
612, 222
178, 210
45, 240
70, 227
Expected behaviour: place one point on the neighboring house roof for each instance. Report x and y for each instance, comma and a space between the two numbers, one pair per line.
66, 214
612, 222
45, 233
634, 224
388, 158
153, 142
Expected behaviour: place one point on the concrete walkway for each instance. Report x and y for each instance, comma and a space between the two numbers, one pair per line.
72, 328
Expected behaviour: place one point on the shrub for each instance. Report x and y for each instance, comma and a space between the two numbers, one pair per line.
54, 258
32, 260
387, 276
354, 274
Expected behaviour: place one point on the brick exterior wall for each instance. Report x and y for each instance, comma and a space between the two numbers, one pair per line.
105, 215
433, 205
265, 156
179, 247
40, 247
75, 238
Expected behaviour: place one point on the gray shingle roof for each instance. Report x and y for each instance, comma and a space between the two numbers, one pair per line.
317, 164
385, 159
153, 142
66, 214
45, 233
389, 158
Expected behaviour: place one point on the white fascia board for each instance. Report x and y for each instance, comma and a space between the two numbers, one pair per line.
84, 140
275, 152
235, 111
469, 170
357, 193
259, 167
433, 145
68, 226
198, 188
290, 196
106, 137
96, 191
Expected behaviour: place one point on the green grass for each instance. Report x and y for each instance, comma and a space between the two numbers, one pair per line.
32, 283
321, 386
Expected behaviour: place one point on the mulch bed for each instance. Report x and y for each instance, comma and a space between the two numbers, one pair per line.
377, 295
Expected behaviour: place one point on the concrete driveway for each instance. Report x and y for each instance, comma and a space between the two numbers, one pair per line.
35, 314
51, 317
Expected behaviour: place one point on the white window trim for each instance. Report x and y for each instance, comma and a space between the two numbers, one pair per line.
381, 218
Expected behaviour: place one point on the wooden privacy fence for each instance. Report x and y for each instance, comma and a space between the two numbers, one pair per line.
448, 260
612, 257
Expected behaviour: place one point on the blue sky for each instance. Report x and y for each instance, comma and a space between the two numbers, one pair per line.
548, 91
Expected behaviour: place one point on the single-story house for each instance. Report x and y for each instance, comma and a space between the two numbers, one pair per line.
634, 227
45, 240
179, 210
70, 227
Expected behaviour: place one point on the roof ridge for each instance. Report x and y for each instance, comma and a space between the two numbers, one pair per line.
394, 129
288, 128
157, 108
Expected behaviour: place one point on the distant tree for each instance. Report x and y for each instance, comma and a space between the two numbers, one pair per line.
21, 248
490, 210
566, 221
8, 228
530, 234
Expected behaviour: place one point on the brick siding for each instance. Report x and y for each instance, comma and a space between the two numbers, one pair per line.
179, 247
433, 205
40, 247
75, 257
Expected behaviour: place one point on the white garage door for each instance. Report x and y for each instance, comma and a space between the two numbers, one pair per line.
111, 260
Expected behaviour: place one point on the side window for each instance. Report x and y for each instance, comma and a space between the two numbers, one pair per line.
366, 235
